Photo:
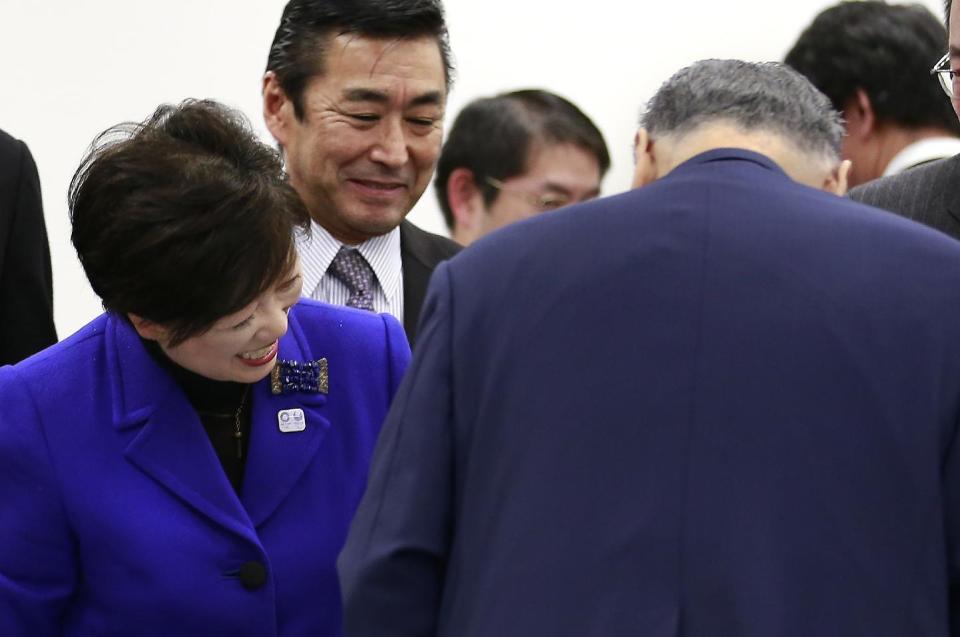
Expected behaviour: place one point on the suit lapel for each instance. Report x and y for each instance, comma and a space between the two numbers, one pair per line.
168, 442
278, 459
416, 275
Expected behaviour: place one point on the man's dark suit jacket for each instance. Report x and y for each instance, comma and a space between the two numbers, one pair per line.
722, 405
26, 282
928, 193
420, 252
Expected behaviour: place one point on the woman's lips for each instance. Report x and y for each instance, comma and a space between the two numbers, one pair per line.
259, 357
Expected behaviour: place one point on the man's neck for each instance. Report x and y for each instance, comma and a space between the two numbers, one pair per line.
344, 235
796, 163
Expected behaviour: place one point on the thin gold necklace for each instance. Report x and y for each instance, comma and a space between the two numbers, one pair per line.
237, 433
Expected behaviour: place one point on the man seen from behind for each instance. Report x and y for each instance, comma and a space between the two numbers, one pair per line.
725, 403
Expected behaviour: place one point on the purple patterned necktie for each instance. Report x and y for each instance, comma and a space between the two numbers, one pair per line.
353, 271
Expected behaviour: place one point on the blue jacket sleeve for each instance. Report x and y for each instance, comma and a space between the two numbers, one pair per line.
392, 567
37, 557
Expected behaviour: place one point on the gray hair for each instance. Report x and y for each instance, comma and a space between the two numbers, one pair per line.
764, 96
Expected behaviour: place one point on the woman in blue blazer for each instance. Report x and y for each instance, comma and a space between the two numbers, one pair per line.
189, 462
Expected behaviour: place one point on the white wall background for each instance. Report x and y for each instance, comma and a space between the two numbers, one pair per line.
71, 68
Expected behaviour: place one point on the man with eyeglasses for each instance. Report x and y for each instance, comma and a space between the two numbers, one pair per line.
516, 155
927, 193
871, 59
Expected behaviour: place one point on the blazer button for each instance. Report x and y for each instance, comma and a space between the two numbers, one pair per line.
253, 575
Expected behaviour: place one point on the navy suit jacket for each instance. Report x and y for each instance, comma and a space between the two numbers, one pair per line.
116, 518
722, 405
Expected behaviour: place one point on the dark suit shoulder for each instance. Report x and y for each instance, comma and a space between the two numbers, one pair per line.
914, 181
10, 146
922, 194
428, 248
13, 155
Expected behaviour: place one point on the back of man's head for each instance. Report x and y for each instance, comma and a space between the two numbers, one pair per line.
299, 45
494, 138
884, 50
755, 98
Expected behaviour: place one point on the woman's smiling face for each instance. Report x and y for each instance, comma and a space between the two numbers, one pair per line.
240, 347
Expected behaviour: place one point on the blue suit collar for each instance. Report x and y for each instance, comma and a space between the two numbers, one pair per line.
139, 385
278, 459
729, 154
168, 441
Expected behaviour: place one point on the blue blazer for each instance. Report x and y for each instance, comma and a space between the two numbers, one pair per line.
116, 518
723, 405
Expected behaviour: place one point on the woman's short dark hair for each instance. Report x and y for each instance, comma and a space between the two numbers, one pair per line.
184, 218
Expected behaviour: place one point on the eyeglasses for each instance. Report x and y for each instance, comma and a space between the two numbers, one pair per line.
542, 202
949, 80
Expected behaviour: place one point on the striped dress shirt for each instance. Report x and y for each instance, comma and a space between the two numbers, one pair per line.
382, 253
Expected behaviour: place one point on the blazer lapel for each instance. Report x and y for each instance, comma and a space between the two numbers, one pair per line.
278, 459
416, 275
168, 442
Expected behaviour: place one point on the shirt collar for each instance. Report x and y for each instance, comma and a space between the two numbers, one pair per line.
319, 249
922, 151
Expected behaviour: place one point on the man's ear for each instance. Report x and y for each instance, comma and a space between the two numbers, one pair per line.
836, 181
466, 204
645, 162
278, 110
859, 116
147, 329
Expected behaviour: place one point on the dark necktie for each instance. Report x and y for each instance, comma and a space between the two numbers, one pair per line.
353, 271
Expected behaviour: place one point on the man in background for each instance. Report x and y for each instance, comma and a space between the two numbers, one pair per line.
872, 60
516, 155
354, 93
927, 193
26, 280
725, 403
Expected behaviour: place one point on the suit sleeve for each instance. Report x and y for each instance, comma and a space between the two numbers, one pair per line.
951, 498
880, 195
920, 194
392, 567
37, 564
26, 280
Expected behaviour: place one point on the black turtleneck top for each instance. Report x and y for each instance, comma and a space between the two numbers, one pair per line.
217, 404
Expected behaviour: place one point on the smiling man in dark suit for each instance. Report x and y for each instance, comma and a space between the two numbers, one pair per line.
722, 404
928, 193
354, 93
